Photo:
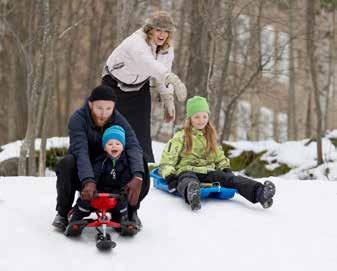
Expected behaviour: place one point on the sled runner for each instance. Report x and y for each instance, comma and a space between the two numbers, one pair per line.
207, 190
102, 203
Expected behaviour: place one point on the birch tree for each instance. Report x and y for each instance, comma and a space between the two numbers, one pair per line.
28, 145
311, 50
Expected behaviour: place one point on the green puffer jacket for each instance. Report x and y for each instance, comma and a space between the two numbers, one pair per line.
175, 161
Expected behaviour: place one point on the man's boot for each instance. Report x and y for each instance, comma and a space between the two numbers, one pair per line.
60, 222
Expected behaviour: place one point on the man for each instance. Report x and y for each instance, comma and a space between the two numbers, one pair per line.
75, 172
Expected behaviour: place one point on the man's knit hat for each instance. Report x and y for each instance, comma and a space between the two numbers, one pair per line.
161, 20
102, 92
196, 104
114, 132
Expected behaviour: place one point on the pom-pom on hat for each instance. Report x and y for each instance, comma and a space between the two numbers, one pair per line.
114, 132
196, 104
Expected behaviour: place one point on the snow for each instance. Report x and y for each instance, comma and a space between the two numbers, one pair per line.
297, 233
12, 150
299, 156
332, 134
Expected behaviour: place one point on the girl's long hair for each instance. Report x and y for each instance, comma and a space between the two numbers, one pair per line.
167, 44
209, 133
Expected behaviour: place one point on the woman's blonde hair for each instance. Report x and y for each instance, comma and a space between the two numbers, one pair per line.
209, 133
149, 32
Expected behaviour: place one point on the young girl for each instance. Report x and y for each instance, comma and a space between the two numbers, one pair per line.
192, 156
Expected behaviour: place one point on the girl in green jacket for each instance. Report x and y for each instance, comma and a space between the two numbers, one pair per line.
192, 157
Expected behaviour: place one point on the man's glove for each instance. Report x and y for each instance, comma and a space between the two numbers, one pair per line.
89, 191
169, 109
133, 188
179, 87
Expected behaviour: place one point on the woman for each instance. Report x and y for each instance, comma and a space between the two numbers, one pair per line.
144, 55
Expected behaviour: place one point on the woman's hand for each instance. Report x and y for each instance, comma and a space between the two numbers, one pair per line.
178, 85
169, 109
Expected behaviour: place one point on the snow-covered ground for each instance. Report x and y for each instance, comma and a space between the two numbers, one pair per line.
297, 233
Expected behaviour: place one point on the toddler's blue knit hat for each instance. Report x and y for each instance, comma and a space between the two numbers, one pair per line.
114, 132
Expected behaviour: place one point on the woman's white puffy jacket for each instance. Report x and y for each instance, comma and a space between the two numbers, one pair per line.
134, 61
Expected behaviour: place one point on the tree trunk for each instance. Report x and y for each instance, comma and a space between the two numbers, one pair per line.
50, 75
46, 122
228, 33
12, 107
27, 148
229, 114
199, 45
126, 18
292, 127
332, 70
310, 32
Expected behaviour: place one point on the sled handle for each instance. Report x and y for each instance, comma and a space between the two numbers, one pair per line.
107, 195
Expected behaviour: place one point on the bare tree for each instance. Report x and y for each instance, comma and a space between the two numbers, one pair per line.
311, 27
292, 127
28, 145
200, 45
228, 42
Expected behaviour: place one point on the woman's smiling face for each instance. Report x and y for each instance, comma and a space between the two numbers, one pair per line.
159, 36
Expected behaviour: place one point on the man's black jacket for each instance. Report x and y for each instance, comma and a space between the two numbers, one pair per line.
86, 142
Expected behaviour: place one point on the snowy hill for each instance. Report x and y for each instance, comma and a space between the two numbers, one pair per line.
297, 233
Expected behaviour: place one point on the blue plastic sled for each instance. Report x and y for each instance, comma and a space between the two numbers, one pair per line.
211, 191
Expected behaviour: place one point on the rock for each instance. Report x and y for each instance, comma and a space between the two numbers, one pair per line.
9, 167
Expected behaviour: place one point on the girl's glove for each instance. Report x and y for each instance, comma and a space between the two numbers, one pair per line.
179, 87
169, 109
172, 182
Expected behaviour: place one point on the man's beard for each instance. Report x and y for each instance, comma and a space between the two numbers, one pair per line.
98, 122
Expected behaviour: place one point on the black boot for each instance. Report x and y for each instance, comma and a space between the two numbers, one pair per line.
76, 222
193, 195
60, 222
265, 194
133, 217
128, 227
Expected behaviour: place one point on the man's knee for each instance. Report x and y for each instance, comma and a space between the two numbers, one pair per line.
145, 188
66, 164
146, 181
66, 172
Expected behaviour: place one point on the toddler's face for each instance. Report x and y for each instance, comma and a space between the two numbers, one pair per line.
114, 148
199, 120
